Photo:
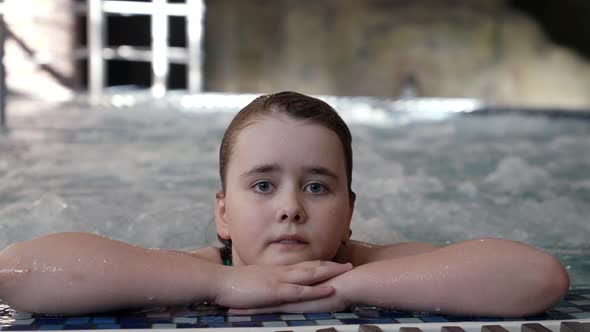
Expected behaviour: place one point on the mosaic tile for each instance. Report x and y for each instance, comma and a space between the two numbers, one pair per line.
51, 327
266, 318
354, 321
318, 315
408, 320
581, 315
577, 306
568, 309
184, 320
163, 326
24, 321
107, 326
216, 319
301, 323
136, 326
247, 324
274, 324
328, 322
233, 319
344, 315
292, 317
434, 319
78, 327
380, 321
77, 320
212, 324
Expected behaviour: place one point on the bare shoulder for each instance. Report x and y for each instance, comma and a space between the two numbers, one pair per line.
210, 254
359, 253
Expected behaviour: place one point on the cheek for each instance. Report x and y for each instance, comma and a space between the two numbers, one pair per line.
333, 218
245, 218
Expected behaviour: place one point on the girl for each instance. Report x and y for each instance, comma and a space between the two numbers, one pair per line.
283, 214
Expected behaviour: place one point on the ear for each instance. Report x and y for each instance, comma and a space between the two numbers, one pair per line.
351, 201
221, 223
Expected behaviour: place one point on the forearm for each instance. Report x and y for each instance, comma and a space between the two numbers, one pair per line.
76, 272
483, 277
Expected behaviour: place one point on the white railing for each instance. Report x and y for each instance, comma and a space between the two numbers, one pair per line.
160, 54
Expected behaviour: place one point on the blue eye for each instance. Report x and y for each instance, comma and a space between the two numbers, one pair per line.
316, 188
263, 187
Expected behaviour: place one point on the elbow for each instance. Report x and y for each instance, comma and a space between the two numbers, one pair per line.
557, 281
550, 287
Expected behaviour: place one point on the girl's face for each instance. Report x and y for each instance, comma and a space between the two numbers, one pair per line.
286, 198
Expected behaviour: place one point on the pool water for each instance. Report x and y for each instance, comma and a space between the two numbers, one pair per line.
147, 175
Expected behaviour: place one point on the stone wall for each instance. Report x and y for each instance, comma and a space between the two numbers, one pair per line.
442, 48
38, 48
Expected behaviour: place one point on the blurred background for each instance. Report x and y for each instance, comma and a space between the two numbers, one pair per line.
469, 118
506, 52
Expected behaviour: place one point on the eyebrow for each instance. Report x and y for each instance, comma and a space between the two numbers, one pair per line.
271, 168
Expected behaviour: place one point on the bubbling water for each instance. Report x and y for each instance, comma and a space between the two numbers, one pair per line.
149, 177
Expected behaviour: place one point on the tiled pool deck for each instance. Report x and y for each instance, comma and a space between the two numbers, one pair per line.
576, 306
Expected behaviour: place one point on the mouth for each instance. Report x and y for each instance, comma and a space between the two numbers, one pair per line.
291, 240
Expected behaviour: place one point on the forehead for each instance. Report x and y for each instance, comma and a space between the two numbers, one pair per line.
282, 139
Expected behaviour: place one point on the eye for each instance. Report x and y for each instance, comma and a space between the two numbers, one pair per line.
316, 188
263, 187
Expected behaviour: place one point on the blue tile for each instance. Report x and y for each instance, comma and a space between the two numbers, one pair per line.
131, 320
459, 318
486, 319
396, 314
17, 328
214, 324
50, 327
192, 326
246, 324
434, 319
50, 321
318, 315
300, 323
104, 320
79, 327
265, 318
136, 326
353, 321
368, 313
159, 320
380, 321
107, 326
217, 319
77, 320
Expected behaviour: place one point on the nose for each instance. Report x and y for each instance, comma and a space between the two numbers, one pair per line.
291, 209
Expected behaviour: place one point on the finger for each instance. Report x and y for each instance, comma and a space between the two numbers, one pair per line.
309, 273
295, 293
295, 307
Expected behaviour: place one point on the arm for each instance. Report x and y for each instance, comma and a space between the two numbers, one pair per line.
487, 277
71, 273
481, 277
79, 272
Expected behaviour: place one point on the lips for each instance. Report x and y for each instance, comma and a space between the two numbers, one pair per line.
290, 240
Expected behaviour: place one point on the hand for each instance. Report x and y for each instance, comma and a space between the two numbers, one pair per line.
258, 286
339, 300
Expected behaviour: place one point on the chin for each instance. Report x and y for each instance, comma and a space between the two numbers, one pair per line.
285, 260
